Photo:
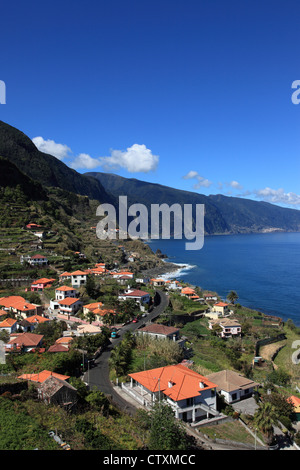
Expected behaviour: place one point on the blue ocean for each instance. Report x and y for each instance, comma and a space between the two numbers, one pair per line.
264, 269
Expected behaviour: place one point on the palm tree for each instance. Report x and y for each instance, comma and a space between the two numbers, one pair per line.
265, 419
232, 296
117, 361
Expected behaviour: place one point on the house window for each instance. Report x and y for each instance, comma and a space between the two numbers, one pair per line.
234, 396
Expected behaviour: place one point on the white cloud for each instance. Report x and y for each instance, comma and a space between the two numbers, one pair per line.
136, 159
200, 180
84, 160
59, 151
278, 196
235, 185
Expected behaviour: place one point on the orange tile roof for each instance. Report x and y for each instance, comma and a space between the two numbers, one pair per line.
7, 323
68, 301
26, 339
42, 376
2, 312
93, 305
37, 319
24, 306
184, 382
64, 288
43, 280
78, 273
296, 402
221, 304
11, 300
65, 274
64, 339
187, 290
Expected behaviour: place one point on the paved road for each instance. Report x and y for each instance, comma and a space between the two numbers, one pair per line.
98, 376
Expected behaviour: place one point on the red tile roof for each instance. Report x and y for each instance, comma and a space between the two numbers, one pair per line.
43, 280
64, 288
37, 319
135, 293
8, 323
42, 376
26, 339
175, 381
68, 301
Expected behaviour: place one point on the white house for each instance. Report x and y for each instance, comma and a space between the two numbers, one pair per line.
221, 308
157, 331
229, 327
9, 324
191, 395
35, 260
233, 386
65, 291
78, 278
139, 296
69, 305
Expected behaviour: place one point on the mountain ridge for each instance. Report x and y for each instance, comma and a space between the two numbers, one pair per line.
45, 168
223, 214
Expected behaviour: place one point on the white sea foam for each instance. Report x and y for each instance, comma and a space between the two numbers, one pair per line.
182, 270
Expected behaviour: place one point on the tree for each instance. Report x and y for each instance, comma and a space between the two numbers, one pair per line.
166, 432
232, 296
118, 361
265, 418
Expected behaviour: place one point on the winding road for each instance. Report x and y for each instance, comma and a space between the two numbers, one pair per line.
98, 376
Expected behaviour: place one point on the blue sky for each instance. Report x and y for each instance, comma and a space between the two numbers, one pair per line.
191, 94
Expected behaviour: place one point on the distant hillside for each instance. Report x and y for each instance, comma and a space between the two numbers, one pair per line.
46, 169
223, 214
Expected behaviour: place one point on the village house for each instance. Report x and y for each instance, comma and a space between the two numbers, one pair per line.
78, 278
191, 395
28, 324
210, 296
40, 377
38, 260
41, 284
69, 305
24, 342
92, 307
142, 280
61, 293
188, 292
173, 284
222, 308
57, 391
64, 276
157, 282
19, 306
88, 329
65, 291
140, 297
229, 327
9, 324
233, 386
158, 331
98, 271
117, 275
61, 344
